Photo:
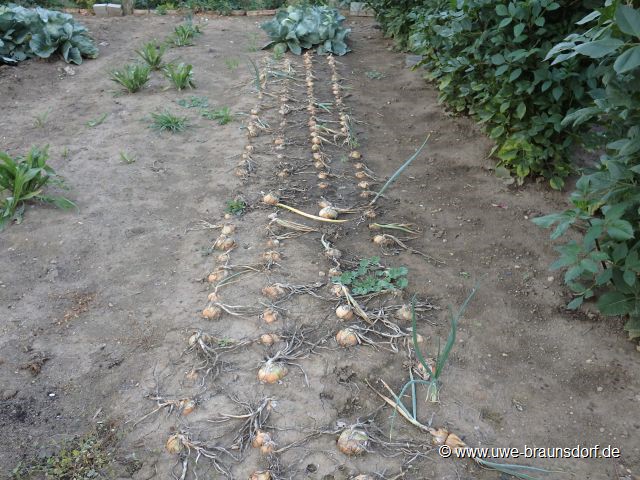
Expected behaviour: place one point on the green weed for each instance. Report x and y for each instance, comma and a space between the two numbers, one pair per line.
166, 121
183, 34
131, 77
232, 64
23, 179
152, 55
372, 277
374, 75
97, 121
222, 115
194, 102
236, 207
181, 75
127, 158
41, 119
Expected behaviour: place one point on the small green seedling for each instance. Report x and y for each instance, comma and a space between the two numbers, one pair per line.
372, 277
222, 115
194, 102
374, 75
166, 121
252, 42
131, 77
127, 158
183, 34
41, 119
23, 179
236, 207
97, 121
232, 64
181, 75
151, 53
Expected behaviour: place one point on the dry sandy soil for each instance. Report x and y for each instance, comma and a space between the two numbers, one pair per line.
100, 302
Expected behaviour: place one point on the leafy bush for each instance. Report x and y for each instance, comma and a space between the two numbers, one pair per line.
300, 27
606, 201
23, 179
28, 33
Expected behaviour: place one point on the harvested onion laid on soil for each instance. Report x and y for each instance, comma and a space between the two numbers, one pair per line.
269, 339
174, 444
337, 290
353, 441
271, 256
347, 338
260, 439
261, 475
270, 199
335, 272
269, 315
332, 253
444, 437
364, 185
188, 406
213, 297
228, 229
323, 185
328, 212
212, 312
370, 213
268, 447
224, 243
404, 313
355, 155
344, 312
272, 372
273, 292
217, 275
382, 240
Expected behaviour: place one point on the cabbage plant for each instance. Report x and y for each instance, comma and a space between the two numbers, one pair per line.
302, 27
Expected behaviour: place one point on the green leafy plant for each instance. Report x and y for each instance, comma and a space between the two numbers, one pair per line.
605, 205
127, 158
41, 119
304, 26
151, 53
372, 277
194, 102
28, 33
374, 75
131, 77
236, 207
181, 75
23, 179
166, 121
97, 121
222, 115
184, 33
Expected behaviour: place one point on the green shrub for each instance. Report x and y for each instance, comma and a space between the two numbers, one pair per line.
606, 202
28, 33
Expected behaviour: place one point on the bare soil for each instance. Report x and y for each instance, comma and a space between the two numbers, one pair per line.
98, 304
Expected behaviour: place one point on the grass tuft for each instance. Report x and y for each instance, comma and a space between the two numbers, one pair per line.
181, 75
131, 77
166, 121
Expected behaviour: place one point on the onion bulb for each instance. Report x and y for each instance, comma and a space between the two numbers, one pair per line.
355, 155
316, 141
254, 111
364, 185
337, 290
370, 213
260, 439
344, 312
188, 406
404, 313
317, 156
366, 194
328, 212
228, 229
273, 243
323, 185
261, 475
269, 315
284, 173
253, 131
359, 166
217, 275
347, 338
174, 444
224, 243
374, 226
278, 141
223, 257
273, 292
382, 240
270, 199
315, 148
353, 441
212, 312
249, 148
239, 172
271, 256
323, 175
439, 436
269, 339
272, 372
334, 272
268, 447
360, 174
213, 297
319, 164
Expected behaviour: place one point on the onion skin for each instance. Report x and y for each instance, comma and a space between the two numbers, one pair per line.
260, 439
328, 212
344, 312
174, 444
212, 313
272, 372
353, 442
347, 338
273, 291
268, 447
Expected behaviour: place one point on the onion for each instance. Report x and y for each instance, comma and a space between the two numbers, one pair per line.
382, 240
344, 312
278, 141
317, 156
332, 253
353, 442
223, 257
334, 272
312, 122
224, 243
268, 447
217, 275
328, 212
188, 406
269, 338
337, 290
273, 243
249, 148
364, 184
254, 111
254, 117
271, 256
323, 175
193, 339
366, 194
269, 315
174, 444
355, 155
316, 141
359, 165
370, 213
347, 338
315, 148
455, 442
273, 292
261, 475
323, 185
419, 338
374, 226
253, 131
324, 203
228, 229
284, 173
361, 174
212, 312
270, 199
228, 216
272, 372
439, 436
260, 439
239, 172
404, 313
191, 375
319, 164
